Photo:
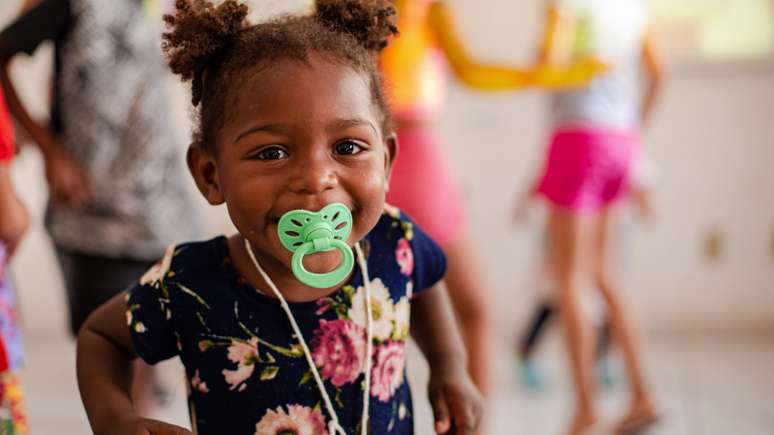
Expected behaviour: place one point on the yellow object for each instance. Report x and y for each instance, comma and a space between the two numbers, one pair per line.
415, 71
14, 416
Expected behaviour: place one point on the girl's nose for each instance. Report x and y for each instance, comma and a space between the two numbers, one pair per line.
313, 175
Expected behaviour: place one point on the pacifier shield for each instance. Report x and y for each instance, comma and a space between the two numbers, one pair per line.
305, 232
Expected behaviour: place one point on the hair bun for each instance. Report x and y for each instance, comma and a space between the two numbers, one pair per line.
370, 22
199, 34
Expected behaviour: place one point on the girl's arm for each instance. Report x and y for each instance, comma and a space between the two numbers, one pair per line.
15, 220
29, 4
104, 369
556, 47
556, 68
456, 402
497, 78
47, 21
68, 182
654, 69
467, 70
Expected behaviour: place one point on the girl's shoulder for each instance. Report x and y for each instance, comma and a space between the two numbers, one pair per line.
189, 262
393, 226
398, 246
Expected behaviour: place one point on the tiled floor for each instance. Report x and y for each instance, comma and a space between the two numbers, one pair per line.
705, 386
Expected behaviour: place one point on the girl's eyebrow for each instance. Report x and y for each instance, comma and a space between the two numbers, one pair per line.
343, 124
268, 128
337, 125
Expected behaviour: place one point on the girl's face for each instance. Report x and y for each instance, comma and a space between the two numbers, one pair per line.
297, 135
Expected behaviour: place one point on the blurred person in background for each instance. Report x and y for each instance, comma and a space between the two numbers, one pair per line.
423, 185
117, 197
588, 168
639, 210
14, 222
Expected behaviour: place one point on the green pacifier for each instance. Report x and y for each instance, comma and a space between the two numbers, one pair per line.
304, 232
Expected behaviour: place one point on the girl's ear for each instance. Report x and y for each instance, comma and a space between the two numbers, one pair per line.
202, 165
390, 153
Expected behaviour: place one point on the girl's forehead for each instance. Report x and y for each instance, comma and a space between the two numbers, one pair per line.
302, 86
295, 72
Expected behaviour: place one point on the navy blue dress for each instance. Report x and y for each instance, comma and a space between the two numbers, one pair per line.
246, 372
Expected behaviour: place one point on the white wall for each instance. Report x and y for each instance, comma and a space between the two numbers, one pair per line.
712, 141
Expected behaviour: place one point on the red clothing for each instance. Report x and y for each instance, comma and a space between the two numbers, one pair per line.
7, 142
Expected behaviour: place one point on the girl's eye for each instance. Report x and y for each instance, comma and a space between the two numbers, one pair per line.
271, 153
348, 148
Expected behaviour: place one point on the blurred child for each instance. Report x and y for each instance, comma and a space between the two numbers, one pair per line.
415, 69
588, 169
545, 283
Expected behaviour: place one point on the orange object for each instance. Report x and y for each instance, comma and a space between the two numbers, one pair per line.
415, 63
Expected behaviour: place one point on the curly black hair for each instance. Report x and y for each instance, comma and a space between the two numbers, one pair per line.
210, 44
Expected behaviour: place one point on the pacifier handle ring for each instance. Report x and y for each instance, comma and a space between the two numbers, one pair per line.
323, 280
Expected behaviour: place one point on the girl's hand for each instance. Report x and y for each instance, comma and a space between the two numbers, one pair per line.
457, 404
68, 182
144, 426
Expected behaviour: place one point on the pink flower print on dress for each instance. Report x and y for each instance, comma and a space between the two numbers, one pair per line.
323, 305
387, 372
405, 257
339, 350
299, 420
245, 355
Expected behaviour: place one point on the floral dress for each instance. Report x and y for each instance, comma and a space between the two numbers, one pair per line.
13, 417
246, 371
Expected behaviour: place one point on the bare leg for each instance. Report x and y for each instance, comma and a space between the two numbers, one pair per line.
469, 299
567, 243
641, 413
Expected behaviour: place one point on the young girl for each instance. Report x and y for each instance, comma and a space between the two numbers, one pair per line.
424, 184
588, 172
291, 116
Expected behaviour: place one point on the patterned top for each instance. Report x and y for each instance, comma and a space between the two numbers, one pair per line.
248, 374
112, 115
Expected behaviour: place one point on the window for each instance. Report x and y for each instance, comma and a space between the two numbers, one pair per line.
715, 30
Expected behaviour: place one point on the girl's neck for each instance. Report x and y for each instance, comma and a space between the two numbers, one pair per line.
286, 282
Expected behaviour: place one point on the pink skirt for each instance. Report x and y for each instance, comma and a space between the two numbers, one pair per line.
423, 185
588, 169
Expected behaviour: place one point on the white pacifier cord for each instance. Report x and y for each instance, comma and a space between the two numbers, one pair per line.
334, 427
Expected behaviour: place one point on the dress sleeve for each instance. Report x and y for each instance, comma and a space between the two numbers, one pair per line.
149, 313
428, 258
